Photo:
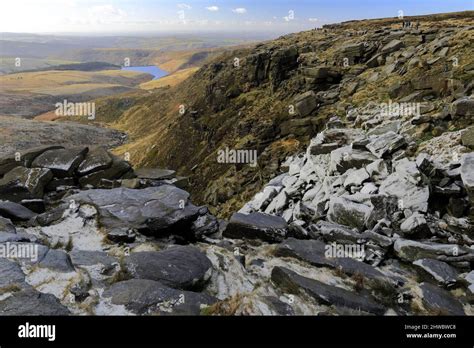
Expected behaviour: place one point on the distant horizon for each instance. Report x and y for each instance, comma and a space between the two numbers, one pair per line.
201, 17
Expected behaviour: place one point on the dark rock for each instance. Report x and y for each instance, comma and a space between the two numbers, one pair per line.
439, 301
6, 225
57, 260
161, 210
30, 302
440, 271
116, 171
333, 232
413, 250
24, 183
256, 226
62, 162
463, 107
15, 212
305, 103
11, 273
292, 282
51, 216
181, 267
35, 205
121, 235
96, 159
143, 296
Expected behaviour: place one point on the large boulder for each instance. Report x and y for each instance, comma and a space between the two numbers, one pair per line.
256, 226
116, 170
463, 107
392, 46
160, 211
180, 267
96, 159
24, 183
15, 212
439, 301
63, 162
305, 103
294, 283
439, 270
345, 211
143, 296
386, 144
29, 302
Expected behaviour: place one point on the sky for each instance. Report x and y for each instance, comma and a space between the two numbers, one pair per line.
219, 16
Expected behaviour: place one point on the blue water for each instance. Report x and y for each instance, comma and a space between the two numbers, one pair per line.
151, 69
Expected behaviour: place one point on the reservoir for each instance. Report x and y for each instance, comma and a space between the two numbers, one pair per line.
151, 69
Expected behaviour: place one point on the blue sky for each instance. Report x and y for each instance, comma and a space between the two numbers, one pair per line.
135, 16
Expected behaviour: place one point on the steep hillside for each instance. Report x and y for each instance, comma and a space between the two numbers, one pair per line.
275, 96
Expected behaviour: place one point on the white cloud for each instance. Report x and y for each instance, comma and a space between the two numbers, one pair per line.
313, 19
239, 10
184, 6
212, 8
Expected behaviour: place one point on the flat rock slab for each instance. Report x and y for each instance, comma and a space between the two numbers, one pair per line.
6, 225
144, 296
266, 227
180, 267
318, 253
155, 173
30, 302
63, 162
292, 282
439, 301
15, 212
159, 210
440, 271
411, 250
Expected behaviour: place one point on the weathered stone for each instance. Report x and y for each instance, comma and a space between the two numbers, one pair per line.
11, 274
63, 162
334, 232
346, 158
57, 260
30, 302
386, 144
15, 212
180, 267
412, 250
24, 183
344, 211
467, 174
256, 226
116, 171
143, 296
467, 138
161, 210
121, 235
440, 271
305, 103
410, 195
356, 178
96, 159
294, 283
392, 46
6, 225
440, 302
463, 107
415, 224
